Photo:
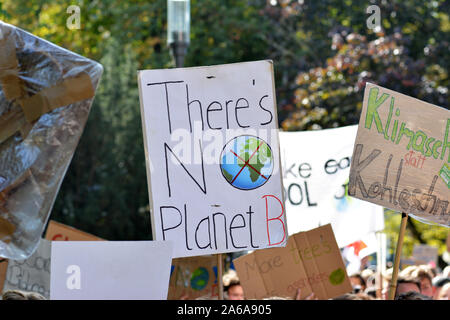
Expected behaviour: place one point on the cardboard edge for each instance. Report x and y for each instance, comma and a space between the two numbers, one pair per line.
70, 228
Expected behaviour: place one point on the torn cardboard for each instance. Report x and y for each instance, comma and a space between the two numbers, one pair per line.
60, 232
311, 262
193, 277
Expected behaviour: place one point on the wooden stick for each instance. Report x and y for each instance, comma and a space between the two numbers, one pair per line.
398, 252
220, 275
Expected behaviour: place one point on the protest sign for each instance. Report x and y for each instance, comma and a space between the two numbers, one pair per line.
311, 261
46, 93
60, 232
212, 153
401, 155
110, 270
32, 274
3, 269
425, 254
400, 160
315, 181
193, 277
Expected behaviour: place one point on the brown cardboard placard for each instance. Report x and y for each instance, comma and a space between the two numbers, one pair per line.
193, 277
401, 155
311, 261
60, 232
3, 269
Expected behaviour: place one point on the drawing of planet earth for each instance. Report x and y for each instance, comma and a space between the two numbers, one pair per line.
199, 279
246, 162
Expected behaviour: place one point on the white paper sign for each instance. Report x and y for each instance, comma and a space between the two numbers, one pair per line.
32, 274
316, 166
212, 151
110, 270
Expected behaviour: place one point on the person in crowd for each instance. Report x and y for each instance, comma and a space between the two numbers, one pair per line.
358, 282
438, 283
444, 293
232, 286
412, 295
372, 292
446, 272
367, 275
354, 296
22, 295
424, 275
406, 283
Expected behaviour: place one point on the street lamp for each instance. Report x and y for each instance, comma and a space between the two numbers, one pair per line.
178, 33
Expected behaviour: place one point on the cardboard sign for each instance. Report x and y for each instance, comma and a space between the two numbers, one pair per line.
3, 269
212, 151
110, 270
60, 232
401, 156
316, 183
32, 274
425, 254
311, 261
193, 277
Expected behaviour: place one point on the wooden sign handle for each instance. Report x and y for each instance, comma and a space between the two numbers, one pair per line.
220, 275
398, 252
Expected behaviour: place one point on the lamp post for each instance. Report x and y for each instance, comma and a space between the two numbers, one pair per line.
178, 30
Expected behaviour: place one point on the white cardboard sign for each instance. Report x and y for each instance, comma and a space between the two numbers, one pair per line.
316, 165
213, 161
110, 270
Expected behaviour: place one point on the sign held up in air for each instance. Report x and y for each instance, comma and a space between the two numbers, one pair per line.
402, 154
212, 151
110, 270
311, 262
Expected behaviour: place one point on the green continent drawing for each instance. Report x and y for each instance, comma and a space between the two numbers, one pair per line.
246, 162
199, 279
337, 277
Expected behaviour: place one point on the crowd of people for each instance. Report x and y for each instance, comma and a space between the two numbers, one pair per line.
418, 282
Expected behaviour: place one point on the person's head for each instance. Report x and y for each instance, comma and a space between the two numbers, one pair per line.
412, 295
232, 286
444, 293
372, 292
21, 295
438, 283
367, 274
424, 275
446, 272
354, 296
405, 284
234, 290
358, 282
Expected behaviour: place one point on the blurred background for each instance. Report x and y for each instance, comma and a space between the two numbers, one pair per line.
323, 53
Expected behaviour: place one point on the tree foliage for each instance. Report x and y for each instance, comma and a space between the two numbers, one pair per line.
323, 54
